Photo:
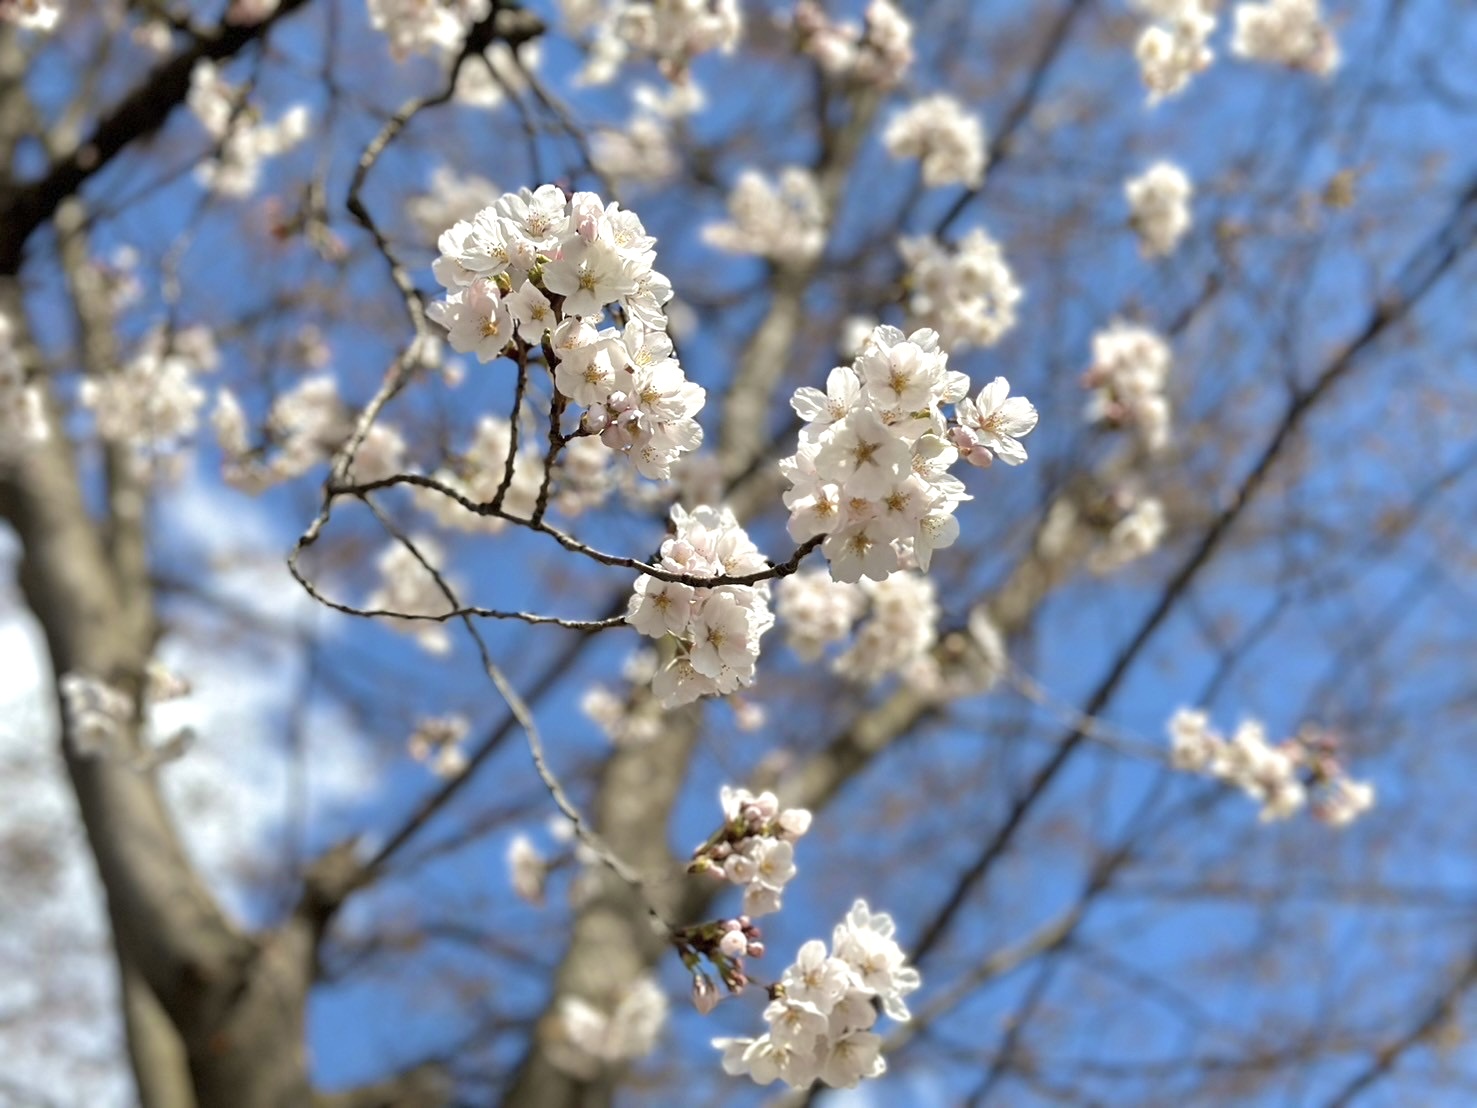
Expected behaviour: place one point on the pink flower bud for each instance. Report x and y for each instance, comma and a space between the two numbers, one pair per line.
705, 995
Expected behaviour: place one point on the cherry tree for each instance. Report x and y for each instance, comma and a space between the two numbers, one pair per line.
678, 551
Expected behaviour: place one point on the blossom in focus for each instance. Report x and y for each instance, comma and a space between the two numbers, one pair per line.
718, 627
820, 1023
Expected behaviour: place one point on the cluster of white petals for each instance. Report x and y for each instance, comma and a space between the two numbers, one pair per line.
418, 27
437, 742
643, 148
1127, 378
306, 425
755, 849
449, 198
870, 473
821, 1018
781, 218
31, 15
946, 138
1136, 534
631, 717
1159, 208
899, 631
528, 870
100, 716
439, 29
815, 610
1280, 777
243, 141
718, 629
1175, 46
152, 402
967, 294
409, 588
672, 32
1285, 32
879, 52
541, 267
22, 406
594, 1037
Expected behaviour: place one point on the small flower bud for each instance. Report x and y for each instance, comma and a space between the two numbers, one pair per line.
705, 995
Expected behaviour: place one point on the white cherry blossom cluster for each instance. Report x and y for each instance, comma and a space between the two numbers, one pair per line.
540, 266
1159, 208
782, 218
152, 402
1127, 378
595, 1037
1175, 46
100, 715
528, 870
643, 148
672, 32
824, 1007
755, 849
967, 294
627, 718
900, 630
1281, 777
878, 53
244, 140
438, 29
408, 588
22, 406
871, 470
815, 610
947, 139
31, 15
1137, 534
417, 27
1285, 32
899, 635
437, 742
305, 426
717, 629
450, 197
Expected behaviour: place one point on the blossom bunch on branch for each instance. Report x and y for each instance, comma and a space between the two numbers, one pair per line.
1159, 208
822, 1011
1291, 33
871, 470
717, 629
539, 270
879, 52
1127, 378
1174, 47
1281, 777
754, 848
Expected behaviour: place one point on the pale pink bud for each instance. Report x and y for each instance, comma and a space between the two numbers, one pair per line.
705, 995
